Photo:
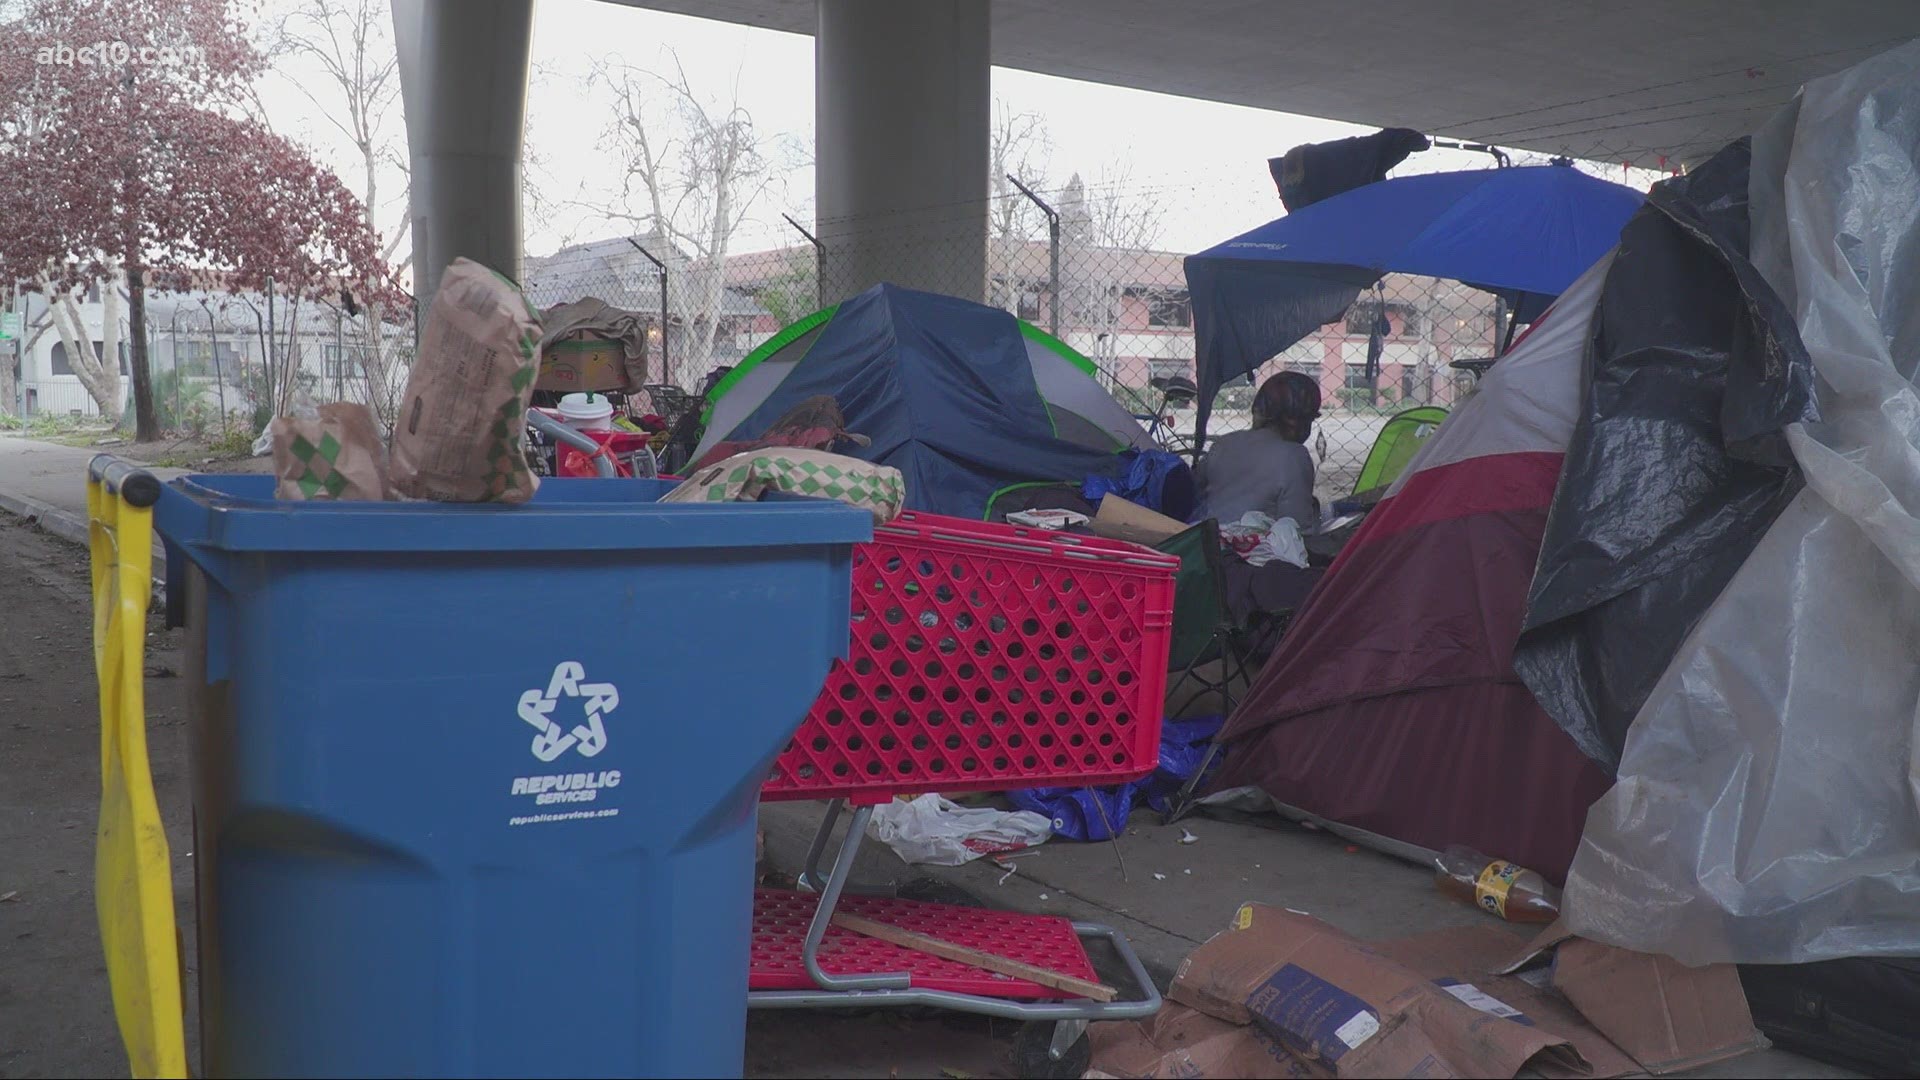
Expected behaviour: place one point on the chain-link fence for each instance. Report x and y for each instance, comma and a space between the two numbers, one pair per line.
1103, 287
222, 365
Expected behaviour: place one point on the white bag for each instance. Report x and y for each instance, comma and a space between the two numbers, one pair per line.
940, 832
1279, 540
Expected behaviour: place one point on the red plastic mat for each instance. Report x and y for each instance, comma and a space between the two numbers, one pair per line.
780, 919
988, 657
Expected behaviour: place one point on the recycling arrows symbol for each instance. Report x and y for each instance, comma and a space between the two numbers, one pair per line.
536, 708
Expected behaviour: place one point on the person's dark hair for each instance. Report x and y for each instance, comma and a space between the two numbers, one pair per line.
1290, 402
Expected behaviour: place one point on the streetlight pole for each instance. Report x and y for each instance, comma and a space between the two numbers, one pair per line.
666, 363
1053, 252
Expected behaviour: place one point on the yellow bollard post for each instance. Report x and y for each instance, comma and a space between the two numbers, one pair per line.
133, 872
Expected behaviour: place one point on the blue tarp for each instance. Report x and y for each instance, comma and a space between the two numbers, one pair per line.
1525, 233
944, 389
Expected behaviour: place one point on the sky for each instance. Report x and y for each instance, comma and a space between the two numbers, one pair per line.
1201, 164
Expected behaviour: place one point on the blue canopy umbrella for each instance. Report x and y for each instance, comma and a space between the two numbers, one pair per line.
1523, 233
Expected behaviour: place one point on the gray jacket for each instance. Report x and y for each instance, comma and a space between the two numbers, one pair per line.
1257, 470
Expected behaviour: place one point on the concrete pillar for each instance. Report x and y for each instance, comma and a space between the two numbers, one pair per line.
463, 85
903, 120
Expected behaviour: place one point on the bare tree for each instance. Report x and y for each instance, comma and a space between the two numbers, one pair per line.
1020, 147
98, 372
351, 42
691, 169
1104, 227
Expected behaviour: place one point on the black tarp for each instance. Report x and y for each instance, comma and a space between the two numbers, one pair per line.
1314, 171
1678, 463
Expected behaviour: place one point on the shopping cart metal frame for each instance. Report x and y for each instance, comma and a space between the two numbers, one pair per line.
894, 989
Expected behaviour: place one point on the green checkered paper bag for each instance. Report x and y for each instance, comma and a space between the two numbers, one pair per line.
745, 477
336, 454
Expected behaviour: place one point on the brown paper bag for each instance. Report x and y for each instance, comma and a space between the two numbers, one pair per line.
337, 455
461, 435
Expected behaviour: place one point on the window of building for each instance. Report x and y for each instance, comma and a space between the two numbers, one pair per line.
1031, 307
1170, 310
198, 357
342, 362
1357, 377
62, 367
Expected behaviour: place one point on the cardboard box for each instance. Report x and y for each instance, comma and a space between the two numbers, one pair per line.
1665, 1015
1460, 960
588, 364
1119, 519
1349, 1011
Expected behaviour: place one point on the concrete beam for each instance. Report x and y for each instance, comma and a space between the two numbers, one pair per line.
903, 120
463, 85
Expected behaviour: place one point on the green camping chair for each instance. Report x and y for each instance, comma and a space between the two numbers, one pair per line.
1204, 633
1399, 440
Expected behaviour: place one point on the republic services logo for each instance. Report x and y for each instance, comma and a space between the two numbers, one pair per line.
590, 736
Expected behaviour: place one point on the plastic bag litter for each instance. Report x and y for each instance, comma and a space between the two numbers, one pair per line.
1768, 803
301, 408
1091, 814
937, 831
1259, 539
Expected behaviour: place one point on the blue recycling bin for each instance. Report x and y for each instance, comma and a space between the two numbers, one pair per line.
474, 785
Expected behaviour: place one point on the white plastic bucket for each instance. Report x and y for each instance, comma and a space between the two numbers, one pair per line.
587, 412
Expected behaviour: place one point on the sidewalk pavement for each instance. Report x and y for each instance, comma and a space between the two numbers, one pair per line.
47, 483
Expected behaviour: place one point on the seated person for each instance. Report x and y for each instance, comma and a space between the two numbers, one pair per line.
1268, 468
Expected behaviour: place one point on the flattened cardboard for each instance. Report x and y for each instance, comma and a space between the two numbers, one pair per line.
1184, 1043
1667, 1016
1119, 519
1342, 1007
1459, 960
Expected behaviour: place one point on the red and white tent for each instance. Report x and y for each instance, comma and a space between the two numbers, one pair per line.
1392, 704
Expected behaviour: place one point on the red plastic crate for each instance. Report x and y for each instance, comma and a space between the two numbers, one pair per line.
780, 929
988, 657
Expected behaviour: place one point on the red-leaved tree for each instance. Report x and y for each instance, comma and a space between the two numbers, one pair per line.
136, 159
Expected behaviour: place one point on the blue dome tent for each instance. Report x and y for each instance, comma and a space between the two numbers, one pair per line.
967, 401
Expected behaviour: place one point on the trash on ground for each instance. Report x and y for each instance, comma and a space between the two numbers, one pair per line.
1284, 987
1159, 876
936, 831
1087, 813
1187, 837
1496, 886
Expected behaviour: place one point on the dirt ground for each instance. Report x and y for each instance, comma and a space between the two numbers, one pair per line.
200, 454
56, 1018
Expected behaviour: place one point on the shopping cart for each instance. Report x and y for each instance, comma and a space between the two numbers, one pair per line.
983, 657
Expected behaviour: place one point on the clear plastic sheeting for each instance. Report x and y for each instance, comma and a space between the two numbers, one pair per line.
1767, 808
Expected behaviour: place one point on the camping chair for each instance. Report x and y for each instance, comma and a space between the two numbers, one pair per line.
1205, 632
1203, 628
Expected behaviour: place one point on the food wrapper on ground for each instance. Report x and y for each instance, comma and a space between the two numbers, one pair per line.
461, 435
745, 477
336, 454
